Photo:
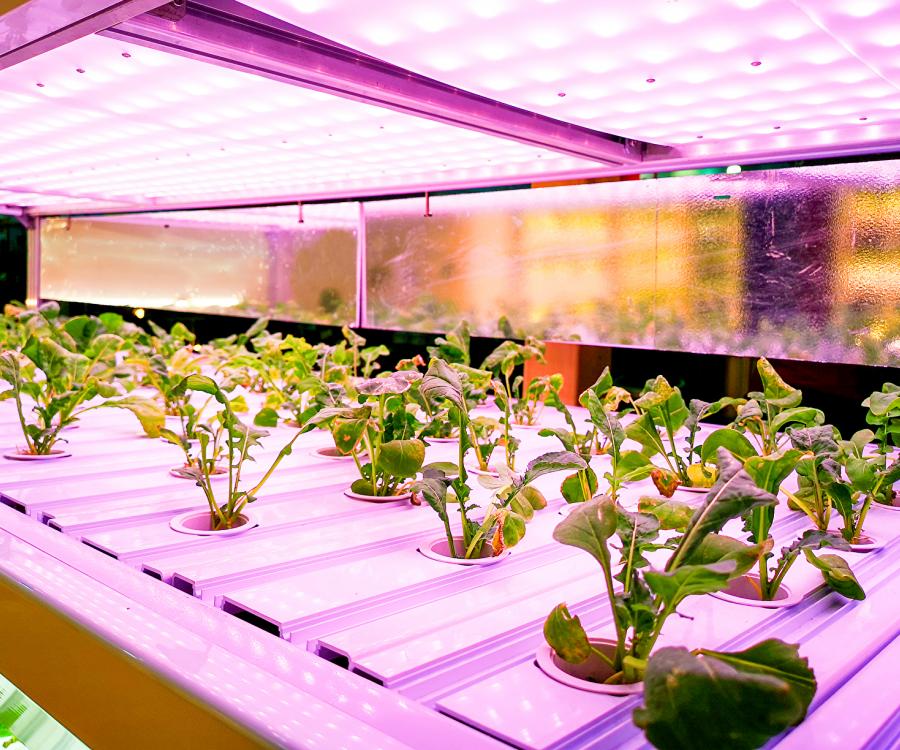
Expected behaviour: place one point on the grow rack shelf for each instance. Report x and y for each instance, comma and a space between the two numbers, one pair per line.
328, 579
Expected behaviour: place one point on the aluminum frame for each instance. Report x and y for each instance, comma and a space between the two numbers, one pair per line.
39, 26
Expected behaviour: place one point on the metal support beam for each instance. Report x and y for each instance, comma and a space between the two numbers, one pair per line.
39, 26
230, 34
33, 274
362, 281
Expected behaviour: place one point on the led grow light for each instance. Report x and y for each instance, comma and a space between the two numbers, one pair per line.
145, 127
755, 73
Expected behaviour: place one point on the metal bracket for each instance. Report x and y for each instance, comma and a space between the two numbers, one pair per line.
39, 26
19, 214
172, 11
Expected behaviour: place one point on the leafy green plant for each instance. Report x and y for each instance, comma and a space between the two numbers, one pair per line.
239, 442
884, 416
63, 391
736, 699
454, 348
870, 478
769, 472
582, 485
383, 428
625, 466
514, 499
818, 473
661, 414
507, 389
702, 561
762, 422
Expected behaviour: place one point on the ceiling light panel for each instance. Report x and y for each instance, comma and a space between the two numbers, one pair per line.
101, 122
757, 73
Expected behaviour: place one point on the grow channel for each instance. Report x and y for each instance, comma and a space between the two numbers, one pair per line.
730, 578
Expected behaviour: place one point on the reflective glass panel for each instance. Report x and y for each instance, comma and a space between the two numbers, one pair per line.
243, 262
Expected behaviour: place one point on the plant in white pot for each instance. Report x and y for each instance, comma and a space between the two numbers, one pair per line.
514, 499
662, 412
585, 441
702, 561
62, 387
378, 432
766, 586
519, 404
227, 501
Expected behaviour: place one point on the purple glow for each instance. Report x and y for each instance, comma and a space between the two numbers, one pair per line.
115, 134
818, 65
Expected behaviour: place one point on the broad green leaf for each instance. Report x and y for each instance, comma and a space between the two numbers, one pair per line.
565, 635
149, 413
512, 528
664, 404
816, 440
776, 390
548, 463
564, 436
433, 490
599, 388
769, 472
643, 430
686, 580
572, 490
805, 415
111, 321
204, 384
636, 529
718, 547
671, 514
448, 468
733, 441
402, 458
736, 701
391, 384
442, 381
837, 574
266, 417
589, 527
527, 500
733, 495
633, 466
347, 434
883, 403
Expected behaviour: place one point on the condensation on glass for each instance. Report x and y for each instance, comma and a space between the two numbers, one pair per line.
789, 263
250, 262
792, 263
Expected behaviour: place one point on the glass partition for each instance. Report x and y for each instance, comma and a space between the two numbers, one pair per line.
794, 263
249, 262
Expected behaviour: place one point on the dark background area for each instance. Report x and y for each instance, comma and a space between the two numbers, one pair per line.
13, 259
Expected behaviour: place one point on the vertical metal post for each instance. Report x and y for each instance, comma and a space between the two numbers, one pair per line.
33, 275
361, 281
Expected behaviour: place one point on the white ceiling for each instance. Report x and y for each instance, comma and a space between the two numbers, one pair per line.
668, 71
